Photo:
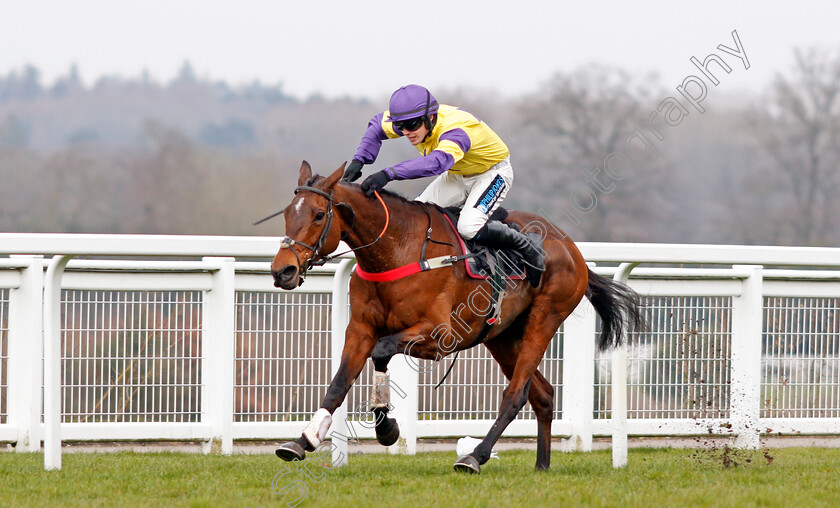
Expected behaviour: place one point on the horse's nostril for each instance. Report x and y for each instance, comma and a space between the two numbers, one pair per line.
287, 273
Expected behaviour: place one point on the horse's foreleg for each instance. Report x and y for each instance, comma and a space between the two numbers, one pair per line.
514, 398
357, 347
540, 395
387, 429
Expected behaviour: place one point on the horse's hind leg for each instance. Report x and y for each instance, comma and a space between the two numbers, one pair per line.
540, 395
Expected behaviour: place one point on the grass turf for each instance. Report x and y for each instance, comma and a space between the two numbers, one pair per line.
654, 477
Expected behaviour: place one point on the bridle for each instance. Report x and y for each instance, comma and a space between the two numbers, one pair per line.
287, 242
313, 260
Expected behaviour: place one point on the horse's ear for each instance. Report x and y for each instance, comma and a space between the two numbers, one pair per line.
335, 177
305, 173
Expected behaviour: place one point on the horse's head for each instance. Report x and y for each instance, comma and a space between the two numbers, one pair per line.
312, 230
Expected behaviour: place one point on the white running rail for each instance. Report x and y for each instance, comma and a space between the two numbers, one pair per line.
185, 338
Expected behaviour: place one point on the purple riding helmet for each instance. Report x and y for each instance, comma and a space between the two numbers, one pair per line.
411, 101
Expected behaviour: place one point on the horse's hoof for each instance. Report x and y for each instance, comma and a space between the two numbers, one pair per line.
290, 451
389, 435
467, 464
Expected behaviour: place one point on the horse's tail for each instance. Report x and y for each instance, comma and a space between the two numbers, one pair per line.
619, 308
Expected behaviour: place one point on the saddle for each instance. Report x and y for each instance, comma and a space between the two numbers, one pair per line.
483, 262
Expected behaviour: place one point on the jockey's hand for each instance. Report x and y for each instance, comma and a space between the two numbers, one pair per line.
353, 171
375, 182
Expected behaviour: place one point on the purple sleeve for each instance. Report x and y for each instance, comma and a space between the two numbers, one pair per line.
459, 137
371, 141
435, 163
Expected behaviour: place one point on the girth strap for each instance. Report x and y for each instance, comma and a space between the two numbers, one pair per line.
406, 270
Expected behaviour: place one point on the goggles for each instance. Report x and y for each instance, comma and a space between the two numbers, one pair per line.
412, 124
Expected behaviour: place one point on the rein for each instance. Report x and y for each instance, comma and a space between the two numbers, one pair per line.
381, 234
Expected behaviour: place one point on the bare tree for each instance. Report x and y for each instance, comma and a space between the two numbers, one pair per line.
19, 205
569, 132
77, 191
163, 180
798, 129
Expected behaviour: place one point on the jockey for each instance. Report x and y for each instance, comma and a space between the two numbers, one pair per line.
470, 161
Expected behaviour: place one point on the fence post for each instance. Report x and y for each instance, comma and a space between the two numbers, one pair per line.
52, 361
405, 399
578, 376
218, 348
339, 319
619, 386
745, 396
26, 315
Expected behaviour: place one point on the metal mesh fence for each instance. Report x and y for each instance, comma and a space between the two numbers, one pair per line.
131, 356
135, 356
800, 375
359, 396
473, 390
282, 355
679, 368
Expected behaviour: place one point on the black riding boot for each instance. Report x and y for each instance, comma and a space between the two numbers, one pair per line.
498, 235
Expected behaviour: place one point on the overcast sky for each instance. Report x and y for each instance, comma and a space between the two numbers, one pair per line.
369, 48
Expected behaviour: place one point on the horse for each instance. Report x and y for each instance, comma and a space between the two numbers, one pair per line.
419, 314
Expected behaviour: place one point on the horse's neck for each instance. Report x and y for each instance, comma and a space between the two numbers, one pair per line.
407, 226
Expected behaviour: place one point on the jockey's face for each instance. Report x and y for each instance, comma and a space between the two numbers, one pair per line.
417, 135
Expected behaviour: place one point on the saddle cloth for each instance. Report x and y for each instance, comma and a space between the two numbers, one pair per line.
488, 260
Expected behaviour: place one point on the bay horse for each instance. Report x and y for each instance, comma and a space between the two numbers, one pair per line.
419, 314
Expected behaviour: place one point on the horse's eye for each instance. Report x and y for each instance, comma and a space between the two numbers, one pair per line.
319, 216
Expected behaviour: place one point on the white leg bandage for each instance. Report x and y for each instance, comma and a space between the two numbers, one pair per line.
380, 395
316, 430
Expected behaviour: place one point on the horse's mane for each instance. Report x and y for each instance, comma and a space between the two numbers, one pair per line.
402, 200
385, 193
399, 197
